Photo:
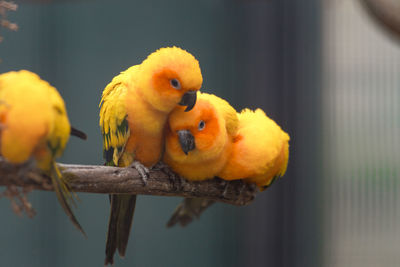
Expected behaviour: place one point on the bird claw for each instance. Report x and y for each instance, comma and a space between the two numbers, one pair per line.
243, 187
161, 166
19, 200
172, 176
225, 185
142, 170
239, 188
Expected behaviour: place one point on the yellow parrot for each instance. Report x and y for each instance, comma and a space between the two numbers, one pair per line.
133, 114
199, 142
213, 140
35, 126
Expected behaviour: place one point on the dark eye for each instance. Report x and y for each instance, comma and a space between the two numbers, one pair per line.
175, 83
58, 109
202, 124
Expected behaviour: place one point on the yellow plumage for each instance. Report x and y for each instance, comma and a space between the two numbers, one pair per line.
135, 104
113, 113
35, 126
133, 114
214, 140
260, 152
213, 145
246, 145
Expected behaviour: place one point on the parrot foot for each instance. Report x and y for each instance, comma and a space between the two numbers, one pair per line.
239, 185
174, 179
242, 188
142, 170
225, 184
19, 200
26, 168
165, 169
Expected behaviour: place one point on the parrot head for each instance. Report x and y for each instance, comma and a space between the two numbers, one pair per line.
196, 135
171, 76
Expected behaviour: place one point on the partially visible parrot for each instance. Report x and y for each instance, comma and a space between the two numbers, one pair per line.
213, 140
199, 142
133, 113
35, 127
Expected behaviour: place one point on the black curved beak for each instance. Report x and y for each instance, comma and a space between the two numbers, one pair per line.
188, 100
186, 140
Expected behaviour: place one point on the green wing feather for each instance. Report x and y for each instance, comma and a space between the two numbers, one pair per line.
116, 131
113, 121
64, 195
56, 141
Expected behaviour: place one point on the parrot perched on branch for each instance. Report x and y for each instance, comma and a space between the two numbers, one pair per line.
35, 127
213, 140
133, 113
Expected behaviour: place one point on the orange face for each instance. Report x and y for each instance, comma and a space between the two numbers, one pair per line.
175, 77
170, 87
196, 135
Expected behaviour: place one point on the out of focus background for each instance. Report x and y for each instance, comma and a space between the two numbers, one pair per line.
327, 71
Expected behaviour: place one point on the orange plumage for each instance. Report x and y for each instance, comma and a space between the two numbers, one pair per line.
260, 150
213, 143
133, 114
254, 149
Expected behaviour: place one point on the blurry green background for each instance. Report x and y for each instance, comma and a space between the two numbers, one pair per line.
322, 69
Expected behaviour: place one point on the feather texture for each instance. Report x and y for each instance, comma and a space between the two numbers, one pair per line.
133, 114
247, 145
35, 125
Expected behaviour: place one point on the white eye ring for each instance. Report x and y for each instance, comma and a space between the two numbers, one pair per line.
202, 125
175, 83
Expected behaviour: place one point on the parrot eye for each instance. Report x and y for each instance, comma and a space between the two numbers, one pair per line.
175, 83
202, 124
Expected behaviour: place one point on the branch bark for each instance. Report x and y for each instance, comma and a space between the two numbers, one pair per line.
385, 12
114, 180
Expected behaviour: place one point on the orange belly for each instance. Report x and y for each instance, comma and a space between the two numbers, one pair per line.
146, 148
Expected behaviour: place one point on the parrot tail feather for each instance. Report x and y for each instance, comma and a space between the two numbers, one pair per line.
77, 133
64, 196
119, 225
189, 209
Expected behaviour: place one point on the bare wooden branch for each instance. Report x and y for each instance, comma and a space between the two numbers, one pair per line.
6, 6
386, 13
113, 180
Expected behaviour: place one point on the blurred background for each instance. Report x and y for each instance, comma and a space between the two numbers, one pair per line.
328, 73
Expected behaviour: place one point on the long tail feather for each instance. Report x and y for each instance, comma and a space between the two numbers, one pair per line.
119, 225
78, 133
111, 243
125, 220
64, 196
188, 210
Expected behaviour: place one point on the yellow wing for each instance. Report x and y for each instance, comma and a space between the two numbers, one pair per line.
60, 127
260, 151
265, 147
113, 118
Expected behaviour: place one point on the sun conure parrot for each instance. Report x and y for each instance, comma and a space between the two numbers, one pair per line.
35, 127
213, 140
133, 115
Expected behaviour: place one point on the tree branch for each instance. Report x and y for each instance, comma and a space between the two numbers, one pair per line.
114, 180
386, 12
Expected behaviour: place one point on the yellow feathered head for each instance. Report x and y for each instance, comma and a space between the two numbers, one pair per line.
168, 77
